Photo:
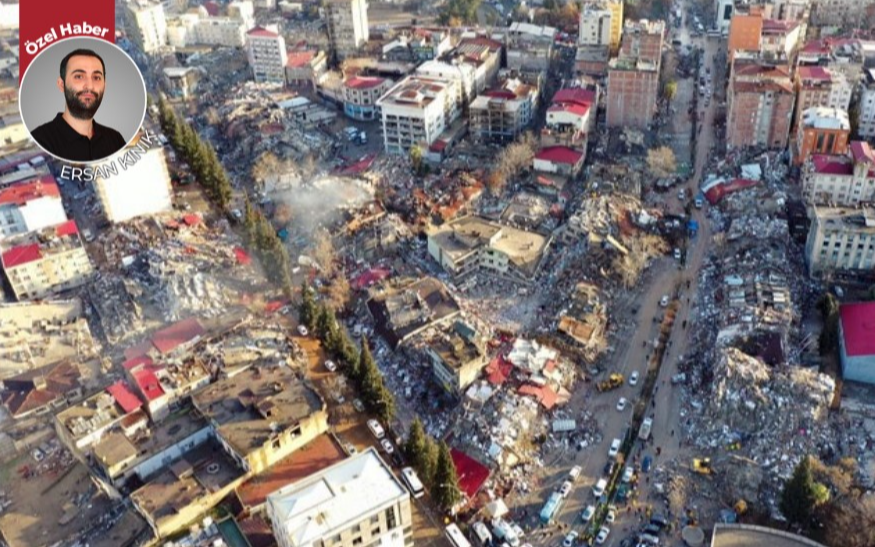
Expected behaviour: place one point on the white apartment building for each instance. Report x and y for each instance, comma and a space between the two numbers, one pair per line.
244, 11
145, 190
840, 239
146, 24
724, 10
416, 111
461, 77
267, 55
503, 113
357, 501
31, 205
867, 105
221, 31
347, 26
41, 263
529, 47
846, 181
360, 95
595, 26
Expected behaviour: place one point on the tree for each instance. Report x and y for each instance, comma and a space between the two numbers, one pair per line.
416, 158
385, 404
266, 166
429, 462
670, 90
416, 445
445, 485
661, 162
338, 293
496, 181
307, 309
829, 336
851, 523
461, 11
323, 252
326, 324
801, 495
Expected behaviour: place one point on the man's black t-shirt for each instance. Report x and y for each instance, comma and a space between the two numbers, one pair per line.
63, 141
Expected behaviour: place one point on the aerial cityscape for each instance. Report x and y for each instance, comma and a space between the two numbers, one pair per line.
449, 273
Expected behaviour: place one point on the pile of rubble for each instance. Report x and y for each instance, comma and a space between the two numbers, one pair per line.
114, 300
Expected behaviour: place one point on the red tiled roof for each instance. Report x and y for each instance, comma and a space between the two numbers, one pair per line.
124, 396
242, 256
577, 95
832, 165
862, 152
21, 193
498, 370
472, 474
363, 82
544, 394
500, 94
858, 328
559, 154
814, 73
574, 108
717, 191
313, 457
67, 228
779, 25
360, 166
369, 277
192, 219
148, 382
297, 59
22, 394
482, 41
261, 31
168, 339
22, 254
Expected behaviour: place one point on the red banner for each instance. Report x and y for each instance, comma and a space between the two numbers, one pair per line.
44, 22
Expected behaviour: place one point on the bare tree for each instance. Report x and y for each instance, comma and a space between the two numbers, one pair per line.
517, 156
851, 523
323, 252
267, 165
661, 162
338, 294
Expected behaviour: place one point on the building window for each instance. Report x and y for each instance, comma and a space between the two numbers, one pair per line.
390, 518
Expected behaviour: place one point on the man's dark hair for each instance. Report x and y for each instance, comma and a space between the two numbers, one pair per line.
86, 53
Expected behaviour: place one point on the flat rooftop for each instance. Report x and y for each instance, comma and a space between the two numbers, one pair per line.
455, 349
407, 310
342, 494
414, 91
320, 453
743, 535
250, 406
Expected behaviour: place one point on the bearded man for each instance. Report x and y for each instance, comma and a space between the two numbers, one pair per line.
74, 135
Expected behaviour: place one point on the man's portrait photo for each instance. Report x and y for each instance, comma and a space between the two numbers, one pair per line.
72, 117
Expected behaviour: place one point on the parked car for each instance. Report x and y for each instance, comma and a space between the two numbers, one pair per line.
302, 330
351, 449
612, 515
633, 378
574, 473
677, 253
376, 429
646, 463
603, 535
330, 366
358, 405
615, 448
663, 301
565, 489
570, 539
387, 446
621, 404
628, 473
588, 513
599, 488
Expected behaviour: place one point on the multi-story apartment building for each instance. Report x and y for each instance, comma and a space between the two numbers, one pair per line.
306, 67
221, 31
821, 86
633, 89
633, 77
271, 414
781, 39
416, 111
723, 10
471, 67
840, 240
360, 95
503, 113
347, 26
267, 55
867, 105
474, 244
601, 24
357, 501
457, 357
47, 261
427, 44
573, 110
30, 205
745, 32
146, 24
529, 47
821, 130
847, 13
760, 100
845, 181
151, 178
791, 10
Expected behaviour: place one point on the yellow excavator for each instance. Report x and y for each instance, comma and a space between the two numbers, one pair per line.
702, 466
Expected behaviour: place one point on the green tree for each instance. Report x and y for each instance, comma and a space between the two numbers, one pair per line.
801, 495
429, 461
462, 11
416, 158
349, 354
416, 445
326, 324
307, 309
445, 486
385, 403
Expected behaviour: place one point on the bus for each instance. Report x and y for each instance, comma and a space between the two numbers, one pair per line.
456, 537
412, 482
551, 508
